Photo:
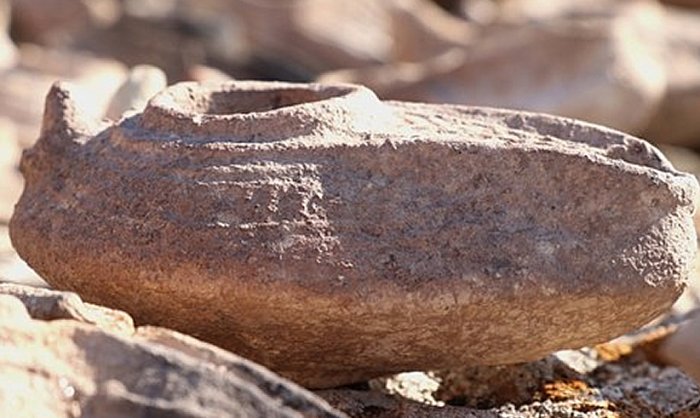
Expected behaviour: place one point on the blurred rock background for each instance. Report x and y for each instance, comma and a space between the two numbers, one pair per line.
632, 65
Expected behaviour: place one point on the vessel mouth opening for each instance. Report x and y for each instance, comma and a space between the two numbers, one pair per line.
254, 111
254, 101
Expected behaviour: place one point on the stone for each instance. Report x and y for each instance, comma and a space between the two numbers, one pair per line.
261, 215
421, 31
47, 305
687, 160
481, 12
142, 83
26, 85
682, 348
203, 73
57, 365
620, 379
316, 35
676, 121
170, 35
361, 404
613, 73
55, 22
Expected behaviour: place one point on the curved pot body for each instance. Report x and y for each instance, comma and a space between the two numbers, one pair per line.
333, 237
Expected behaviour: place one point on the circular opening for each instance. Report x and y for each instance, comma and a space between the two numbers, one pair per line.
243, 110
249, 101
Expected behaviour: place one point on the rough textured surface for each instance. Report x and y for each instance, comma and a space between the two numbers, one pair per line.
615, 380
266, 215
57, 365
689, 161
48, 305
616, 77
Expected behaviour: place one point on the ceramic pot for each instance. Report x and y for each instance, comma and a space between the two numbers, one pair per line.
334, 237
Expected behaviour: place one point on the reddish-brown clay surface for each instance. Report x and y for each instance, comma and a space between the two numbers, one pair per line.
333, 237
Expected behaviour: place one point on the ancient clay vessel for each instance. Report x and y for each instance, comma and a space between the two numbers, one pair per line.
333, 237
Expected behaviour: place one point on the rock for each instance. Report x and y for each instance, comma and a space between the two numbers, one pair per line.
49, 305
361, 404
55, 22
490, 387
317, 35
62, 367
689, 161
676, 121
682, 348
142, 83
286, 394
422, 30
613, 73
170, 35
317, 212
481, 12
203, 73
26, 85
622, 379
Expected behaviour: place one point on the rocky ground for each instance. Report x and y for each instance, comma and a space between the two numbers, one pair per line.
63, 357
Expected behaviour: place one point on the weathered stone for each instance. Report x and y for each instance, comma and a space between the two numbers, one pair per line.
25, 86
318, 35
613, 73
366, 404
682, 348
481, 12
142, 83
66, 368
171, 35
54, 22
622, 379
421, 30
49, 305
676, 121
689, 161
203, 73
265, 215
